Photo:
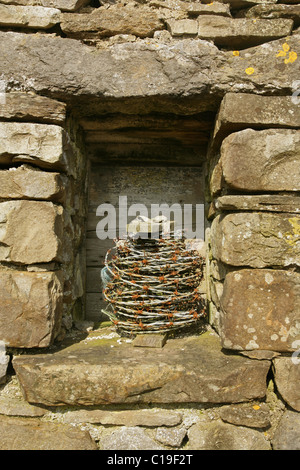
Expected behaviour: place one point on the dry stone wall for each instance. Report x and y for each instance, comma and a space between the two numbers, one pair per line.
67, 64
42, 208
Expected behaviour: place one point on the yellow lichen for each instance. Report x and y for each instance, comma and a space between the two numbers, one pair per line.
281, 54
285, 47
293, 236
292, 57
249, 70
236, 53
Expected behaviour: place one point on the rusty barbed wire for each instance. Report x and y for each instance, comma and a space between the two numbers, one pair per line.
153, 285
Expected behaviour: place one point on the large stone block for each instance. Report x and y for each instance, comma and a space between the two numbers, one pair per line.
41, 144
139, 20
243, 110
267, 160
30, 308
36, 17
185, 77
260, 309
258, 239
240, 32
103, 371
26, 182
31, 232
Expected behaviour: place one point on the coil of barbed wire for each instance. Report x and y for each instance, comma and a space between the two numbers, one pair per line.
153, 285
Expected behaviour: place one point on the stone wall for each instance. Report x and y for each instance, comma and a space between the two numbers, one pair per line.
72, 71
43, 211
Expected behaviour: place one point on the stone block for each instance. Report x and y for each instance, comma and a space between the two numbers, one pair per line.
39, 144
261, 202
150, 341
222, 436
146, 418
257, 239
287, 434
129, 438
103, 371
26, 182
33, 434
287, 377
186, 77
171, 437
64, 5
266, 160
260, 310
139, 20
252, 416
243, 110
240, 32
237, 4
184, 27
11, 406
29, 107
34, 17
272, 11
213, 8
31, 232
30, 308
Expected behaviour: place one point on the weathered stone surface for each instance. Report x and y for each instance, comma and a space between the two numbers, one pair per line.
34, 17
239, 32
16, 407
272, 11
150, 341
287, 377
64, 5
258, 239
40, 144
178, 8
191, 369
287, 434
4, 361
242, 110
261, 202
32, 108
213, 8
129, 438
32, 434
251, 416
139, 20
30, 308
223, 436
147, 418
267, 160
185, 77
184, 27
260, 310
31, 232
26, 182
171, 437
236, 4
